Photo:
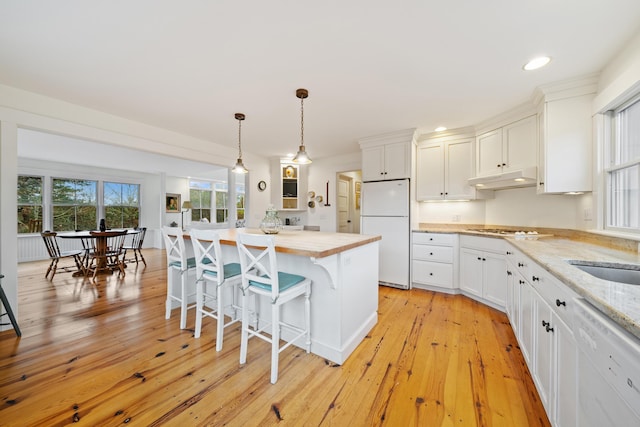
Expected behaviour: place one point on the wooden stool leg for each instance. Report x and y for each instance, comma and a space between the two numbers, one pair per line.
5, 303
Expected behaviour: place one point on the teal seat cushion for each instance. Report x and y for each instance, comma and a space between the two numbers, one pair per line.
286, 280
191, 263
230, 270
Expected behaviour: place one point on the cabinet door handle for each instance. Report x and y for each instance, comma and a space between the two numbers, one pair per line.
535, 279
521, 282
508, 253
559, 303
479, 259
430, 274
504, 164
484, 259
431, 253
520, 264
541, 183
545, 324
508, 273
498, 165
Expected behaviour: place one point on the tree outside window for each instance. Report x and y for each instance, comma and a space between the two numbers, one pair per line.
240, 199
200, 197
29, 204
121, 205
222, 202
74, 204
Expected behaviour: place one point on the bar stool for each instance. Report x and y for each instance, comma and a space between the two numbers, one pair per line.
7, 307
177, 261
260, 276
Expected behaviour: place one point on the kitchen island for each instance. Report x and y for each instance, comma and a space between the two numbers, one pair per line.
344, 292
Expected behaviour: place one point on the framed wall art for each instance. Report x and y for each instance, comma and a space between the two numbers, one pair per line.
172, 202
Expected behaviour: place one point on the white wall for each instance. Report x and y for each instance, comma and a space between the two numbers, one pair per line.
322, 171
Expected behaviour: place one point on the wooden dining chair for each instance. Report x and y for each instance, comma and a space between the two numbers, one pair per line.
55, 254
106, 252
136, 246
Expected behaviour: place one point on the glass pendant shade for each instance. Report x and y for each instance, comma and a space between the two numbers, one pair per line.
239, 167
302, 157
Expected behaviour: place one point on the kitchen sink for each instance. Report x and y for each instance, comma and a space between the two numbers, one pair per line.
614, 272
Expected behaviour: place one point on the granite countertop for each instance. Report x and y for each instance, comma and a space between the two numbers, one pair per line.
317, 244
619, 301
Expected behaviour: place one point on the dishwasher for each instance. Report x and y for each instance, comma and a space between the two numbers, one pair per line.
608, 370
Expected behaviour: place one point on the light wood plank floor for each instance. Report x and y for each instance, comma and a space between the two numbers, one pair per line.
102, 355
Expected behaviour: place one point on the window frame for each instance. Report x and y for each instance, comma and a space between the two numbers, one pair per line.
615, 164
122, 206
75, 206
41, 207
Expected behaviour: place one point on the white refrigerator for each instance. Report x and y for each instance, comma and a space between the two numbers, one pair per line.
385, 212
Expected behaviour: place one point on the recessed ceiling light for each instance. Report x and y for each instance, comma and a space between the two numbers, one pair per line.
536, 63
440, 129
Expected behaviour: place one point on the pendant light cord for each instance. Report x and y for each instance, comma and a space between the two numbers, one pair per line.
239, 139
302, 121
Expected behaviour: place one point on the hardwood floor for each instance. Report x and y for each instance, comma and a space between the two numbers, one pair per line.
103, 354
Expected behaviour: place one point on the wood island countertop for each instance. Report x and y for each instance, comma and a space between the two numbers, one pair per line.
317, 244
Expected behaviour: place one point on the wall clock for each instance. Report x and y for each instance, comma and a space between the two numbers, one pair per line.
262, 185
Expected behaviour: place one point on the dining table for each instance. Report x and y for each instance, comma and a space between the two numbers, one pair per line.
101, 238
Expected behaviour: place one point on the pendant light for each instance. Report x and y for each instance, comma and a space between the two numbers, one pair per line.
239, 167
302, 157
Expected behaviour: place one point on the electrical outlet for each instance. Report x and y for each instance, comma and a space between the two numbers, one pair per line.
455, 218
588, 216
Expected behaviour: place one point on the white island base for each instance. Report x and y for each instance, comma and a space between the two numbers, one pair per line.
344, 297
344, 293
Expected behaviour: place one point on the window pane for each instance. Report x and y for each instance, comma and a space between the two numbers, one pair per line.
122, 207
29, 204
624, 207
628, 148
30, 190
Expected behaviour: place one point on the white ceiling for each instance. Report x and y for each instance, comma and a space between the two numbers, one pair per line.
371, 66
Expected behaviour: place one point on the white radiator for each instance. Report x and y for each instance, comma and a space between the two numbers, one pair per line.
31, 247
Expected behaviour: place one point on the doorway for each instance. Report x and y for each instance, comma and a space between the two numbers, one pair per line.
348, 201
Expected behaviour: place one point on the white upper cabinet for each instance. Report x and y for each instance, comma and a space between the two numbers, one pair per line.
443, 170
565, 145
386, 162
387, 156
509, 148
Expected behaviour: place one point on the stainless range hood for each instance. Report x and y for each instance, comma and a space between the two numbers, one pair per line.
526, 177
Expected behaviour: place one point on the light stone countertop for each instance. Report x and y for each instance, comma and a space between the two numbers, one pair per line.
619, 301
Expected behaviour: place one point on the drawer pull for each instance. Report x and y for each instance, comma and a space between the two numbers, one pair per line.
535, 279
559, 303
431, 253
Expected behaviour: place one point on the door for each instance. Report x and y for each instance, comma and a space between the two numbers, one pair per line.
344, 204
471, 271
459, 170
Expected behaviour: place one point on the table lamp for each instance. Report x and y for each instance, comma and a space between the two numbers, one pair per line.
186, 206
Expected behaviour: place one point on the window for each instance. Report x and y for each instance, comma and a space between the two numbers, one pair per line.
74, 204
29, 204
623, 173
240, 198
222, 201
121, 205
200, 196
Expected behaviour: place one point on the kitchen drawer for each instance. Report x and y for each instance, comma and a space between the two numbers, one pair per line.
434, 238
559, 297
433, 253
433, 273
519, 261
489, 244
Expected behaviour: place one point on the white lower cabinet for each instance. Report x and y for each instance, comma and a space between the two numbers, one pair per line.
542, 322
434, 260
483, 269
